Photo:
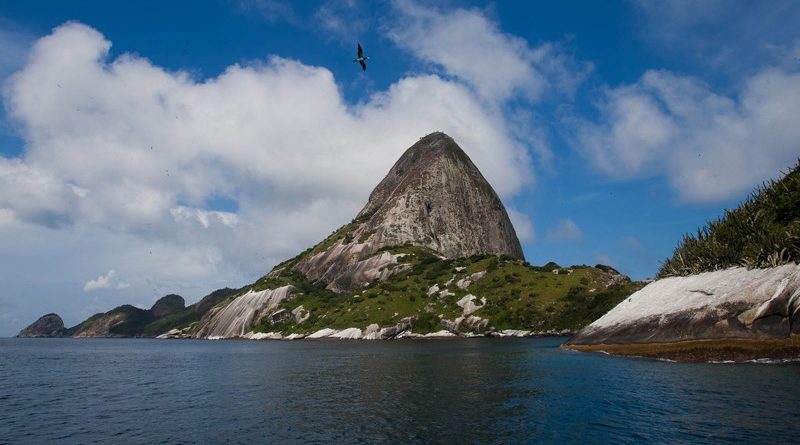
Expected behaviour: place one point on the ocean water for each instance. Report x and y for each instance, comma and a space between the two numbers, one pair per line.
502, 391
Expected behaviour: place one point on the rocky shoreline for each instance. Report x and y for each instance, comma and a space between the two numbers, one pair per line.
372, 332
735, 314
705, 351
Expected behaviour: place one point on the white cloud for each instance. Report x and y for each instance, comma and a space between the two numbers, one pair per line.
343, 19
522, 225
709, 145
565, 230
470, 47
125, 147
101, 282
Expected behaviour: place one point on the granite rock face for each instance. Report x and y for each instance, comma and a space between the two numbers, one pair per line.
236, 318
724, 304
50, 325
168, 305
433, 196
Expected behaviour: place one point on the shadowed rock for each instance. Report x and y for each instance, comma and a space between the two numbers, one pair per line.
50, 325
167, 305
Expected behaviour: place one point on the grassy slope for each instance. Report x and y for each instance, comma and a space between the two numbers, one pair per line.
518, 295
763, 231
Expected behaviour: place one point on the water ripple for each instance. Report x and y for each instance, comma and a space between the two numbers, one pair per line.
462, 391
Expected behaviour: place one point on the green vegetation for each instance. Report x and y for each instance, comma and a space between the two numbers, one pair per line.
517, 295
764, 231
189, 315
131, 321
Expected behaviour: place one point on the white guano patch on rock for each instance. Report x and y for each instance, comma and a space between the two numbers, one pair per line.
468, 303
373, 332
348, 334
322, 333
300, 314
439, 334
465, 282
513, 333
263, 336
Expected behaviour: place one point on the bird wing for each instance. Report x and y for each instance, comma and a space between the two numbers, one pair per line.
363, 65
360, 51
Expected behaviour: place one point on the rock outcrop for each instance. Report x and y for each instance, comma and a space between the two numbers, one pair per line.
236, 318
50, 325
735, 303
433, 196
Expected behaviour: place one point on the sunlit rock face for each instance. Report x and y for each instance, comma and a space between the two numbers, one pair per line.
50, 325
731, 303
236, 318
433, 196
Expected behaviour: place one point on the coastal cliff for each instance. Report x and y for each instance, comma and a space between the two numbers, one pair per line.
433, 197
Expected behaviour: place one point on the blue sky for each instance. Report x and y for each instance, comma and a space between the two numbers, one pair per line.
151, 148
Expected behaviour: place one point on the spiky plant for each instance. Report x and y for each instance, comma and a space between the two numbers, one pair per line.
764, 231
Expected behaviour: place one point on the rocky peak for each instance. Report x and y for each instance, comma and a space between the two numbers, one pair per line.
50, 325
167, 305
434, 196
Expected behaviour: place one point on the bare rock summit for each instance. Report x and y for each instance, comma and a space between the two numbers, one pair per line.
434, 196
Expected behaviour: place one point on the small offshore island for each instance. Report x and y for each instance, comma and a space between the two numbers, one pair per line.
433, 254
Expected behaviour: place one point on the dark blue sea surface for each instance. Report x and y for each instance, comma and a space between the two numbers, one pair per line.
501, 391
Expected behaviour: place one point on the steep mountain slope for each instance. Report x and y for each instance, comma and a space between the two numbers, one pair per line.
50, 325
434, 197
432, 251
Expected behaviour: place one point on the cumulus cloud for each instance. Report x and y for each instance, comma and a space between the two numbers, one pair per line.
710, 146
343, 19
101, 282
522, 225
565, 230
472, 48
129, 147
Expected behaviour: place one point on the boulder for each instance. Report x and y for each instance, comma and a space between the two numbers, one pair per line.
735, 303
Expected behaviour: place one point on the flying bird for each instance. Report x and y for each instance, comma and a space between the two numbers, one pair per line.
361, 59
